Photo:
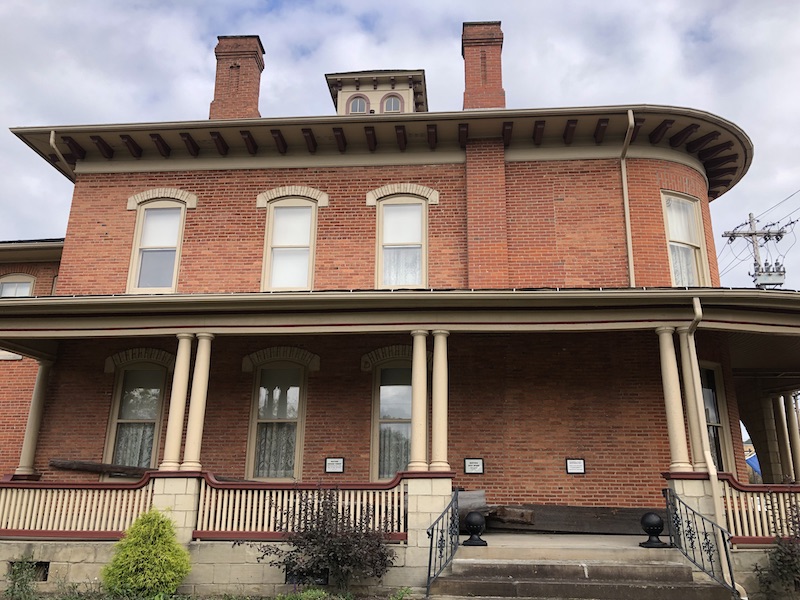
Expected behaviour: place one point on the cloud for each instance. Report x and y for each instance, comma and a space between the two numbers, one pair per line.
92, 61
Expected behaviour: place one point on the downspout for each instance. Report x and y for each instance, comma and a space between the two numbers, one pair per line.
625, 198
713, 477
60, 156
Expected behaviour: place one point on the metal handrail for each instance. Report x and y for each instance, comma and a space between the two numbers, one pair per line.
443, 534
704, 543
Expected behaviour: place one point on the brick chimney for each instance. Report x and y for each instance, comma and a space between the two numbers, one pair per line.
239, 65
481, 47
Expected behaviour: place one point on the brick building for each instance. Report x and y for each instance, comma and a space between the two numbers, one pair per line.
390, 301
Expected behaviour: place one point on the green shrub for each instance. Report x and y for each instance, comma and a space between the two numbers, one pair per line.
780, 578
148, 562
21, 575
329, 539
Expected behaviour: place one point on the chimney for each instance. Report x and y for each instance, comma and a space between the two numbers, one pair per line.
239, 66
481, 47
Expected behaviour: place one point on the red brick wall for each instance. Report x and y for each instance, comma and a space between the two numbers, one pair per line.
523, 402
44, 273
533, 224
646, 179
481, 47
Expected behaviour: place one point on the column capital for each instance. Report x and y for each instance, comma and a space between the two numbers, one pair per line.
682, 330
205, 336
185, 336
417, 332
665, 329
440, 332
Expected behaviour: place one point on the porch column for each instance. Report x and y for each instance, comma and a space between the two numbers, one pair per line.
417, 460
439, 413
177, 404
197, 404
787, 468
31, 439
687, 376
794, 433
770, 464
678, 452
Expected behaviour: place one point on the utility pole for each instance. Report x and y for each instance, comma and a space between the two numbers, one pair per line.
764, 275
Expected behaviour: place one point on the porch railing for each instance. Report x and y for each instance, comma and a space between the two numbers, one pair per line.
255, 510
759, 513
71, 511
443, 534
701, 541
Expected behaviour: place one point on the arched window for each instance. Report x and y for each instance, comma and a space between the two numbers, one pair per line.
358, 105
391, 424
275, 447
291, 234
16, 285
158, 237
392, 104
402, 235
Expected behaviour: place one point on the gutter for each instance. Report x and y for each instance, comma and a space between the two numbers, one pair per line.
61, 158
626, 199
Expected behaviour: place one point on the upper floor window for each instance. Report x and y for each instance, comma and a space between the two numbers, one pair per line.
358, 105
16, 286
686, 249
136, 417
290, 244
156, 252
392, 104
402, 240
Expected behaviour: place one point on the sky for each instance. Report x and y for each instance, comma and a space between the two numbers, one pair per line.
101, 61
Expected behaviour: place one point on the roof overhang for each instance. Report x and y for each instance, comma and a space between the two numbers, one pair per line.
718, 148
31, 251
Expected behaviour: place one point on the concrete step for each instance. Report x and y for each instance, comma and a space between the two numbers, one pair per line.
573, 570
449, 588
576, 553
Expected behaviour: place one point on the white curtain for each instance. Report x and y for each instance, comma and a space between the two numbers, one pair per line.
157, 247
395, 441
278, 408
134, 444
275, 447
684, 265
402, 244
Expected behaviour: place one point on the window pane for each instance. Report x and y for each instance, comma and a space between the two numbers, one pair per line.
710, 396
156, 268
275, 446
395, 393
402, 224
402, 266
684, 265
395, 439
141, 394
358, 105
392, 104
716, 447
289, 268
291, 226
15, 289
682, 222
160, 227
134, 444
279, 394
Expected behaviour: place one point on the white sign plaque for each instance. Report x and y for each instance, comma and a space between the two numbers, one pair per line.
334, 465
576, 466
473, 466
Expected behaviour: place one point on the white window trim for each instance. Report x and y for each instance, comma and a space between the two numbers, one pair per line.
18, 278
281, 357
354, 97
703, 271
141, 205
374, 462
113, 418
726, 442
394, 201
312, 243
386, 99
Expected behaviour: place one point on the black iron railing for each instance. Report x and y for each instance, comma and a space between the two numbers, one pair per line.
443, 535
703, 542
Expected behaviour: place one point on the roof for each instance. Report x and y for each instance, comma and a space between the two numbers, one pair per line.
39, 250
713, 145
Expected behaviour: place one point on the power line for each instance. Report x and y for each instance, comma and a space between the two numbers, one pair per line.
777, 205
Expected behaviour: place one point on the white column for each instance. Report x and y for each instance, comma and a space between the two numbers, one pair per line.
439, 401
31, 439
679, 454
177, 404
197, 404
419, 402
787, 468
687, 376
794, 433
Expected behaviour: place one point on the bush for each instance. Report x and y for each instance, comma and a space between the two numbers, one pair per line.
148, 562
781, 577
21, 575
328, 539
